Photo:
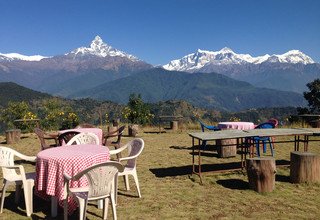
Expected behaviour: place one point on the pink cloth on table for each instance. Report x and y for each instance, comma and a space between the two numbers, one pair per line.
52, 163
96, 131
236, 125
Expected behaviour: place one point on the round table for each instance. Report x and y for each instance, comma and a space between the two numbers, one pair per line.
52, 163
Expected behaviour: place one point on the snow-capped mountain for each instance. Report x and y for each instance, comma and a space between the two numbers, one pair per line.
17, 56
201, 58
100, 49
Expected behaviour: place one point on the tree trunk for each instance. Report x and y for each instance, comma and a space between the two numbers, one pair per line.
13, 136
304, 167
261, 173
226, 147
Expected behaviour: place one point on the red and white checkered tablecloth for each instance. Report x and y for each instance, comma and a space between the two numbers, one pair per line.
53, 162
240, 125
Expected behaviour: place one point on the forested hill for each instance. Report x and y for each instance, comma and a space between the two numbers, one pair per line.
205, 90
10, 91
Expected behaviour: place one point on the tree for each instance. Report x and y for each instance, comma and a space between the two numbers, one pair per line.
14, 111
136, 111
313, 96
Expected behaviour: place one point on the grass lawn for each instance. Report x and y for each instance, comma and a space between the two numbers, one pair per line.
169, 193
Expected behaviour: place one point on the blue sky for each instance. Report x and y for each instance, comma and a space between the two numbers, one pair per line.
163, 30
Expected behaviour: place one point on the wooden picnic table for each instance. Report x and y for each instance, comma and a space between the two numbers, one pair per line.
241, 134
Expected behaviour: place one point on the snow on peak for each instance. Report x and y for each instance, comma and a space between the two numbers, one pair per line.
101, 49
227, 56
17, 56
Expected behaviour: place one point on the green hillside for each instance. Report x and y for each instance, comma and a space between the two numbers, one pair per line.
208, 90
13, 92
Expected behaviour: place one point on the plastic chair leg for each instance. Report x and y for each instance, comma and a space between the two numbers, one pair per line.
3, 194
135, 177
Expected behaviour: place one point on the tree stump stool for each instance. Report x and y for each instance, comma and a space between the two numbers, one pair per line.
226, 147
133, 130
174, 125
261, 173
304, 167
13, 136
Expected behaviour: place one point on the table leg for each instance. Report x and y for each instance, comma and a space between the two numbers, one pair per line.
199, 162
193, 169
54, 206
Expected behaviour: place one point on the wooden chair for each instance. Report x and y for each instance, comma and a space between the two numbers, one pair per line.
44, 137
101, 185
15, 174
115, 134
66, 137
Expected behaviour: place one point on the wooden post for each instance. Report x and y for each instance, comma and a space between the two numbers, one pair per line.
261, 173
174, 125
13, 136
226, 147
304, 167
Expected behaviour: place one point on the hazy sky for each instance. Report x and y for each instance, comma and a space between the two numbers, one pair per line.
158, 31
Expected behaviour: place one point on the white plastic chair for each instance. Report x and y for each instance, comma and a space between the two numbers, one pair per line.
135, 148
101, 182
84, 138
11, 176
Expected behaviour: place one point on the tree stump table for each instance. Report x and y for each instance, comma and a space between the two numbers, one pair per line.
304, 167
13, 136
226, 147
261, 173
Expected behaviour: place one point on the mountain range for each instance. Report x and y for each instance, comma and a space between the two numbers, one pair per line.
290, 71
103, 72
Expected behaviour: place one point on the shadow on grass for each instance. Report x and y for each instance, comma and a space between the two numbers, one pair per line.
234, 184
283, 178
186, 170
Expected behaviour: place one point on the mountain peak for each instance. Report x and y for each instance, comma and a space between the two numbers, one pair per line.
97, 41
226, 50
100, 49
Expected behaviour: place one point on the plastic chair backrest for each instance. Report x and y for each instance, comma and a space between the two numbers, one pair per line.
273, 121
209, 127
100, 178
84, 138
135, 148
265, 125
7, 159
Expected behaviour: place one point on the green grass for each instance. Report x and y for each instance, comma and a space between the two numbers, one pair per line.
169, 193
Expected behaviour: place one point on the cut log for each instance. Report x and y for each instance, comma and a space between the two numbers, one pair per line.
304, 167
174, 125
226, 147
13, 136
261, 173
133, 130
